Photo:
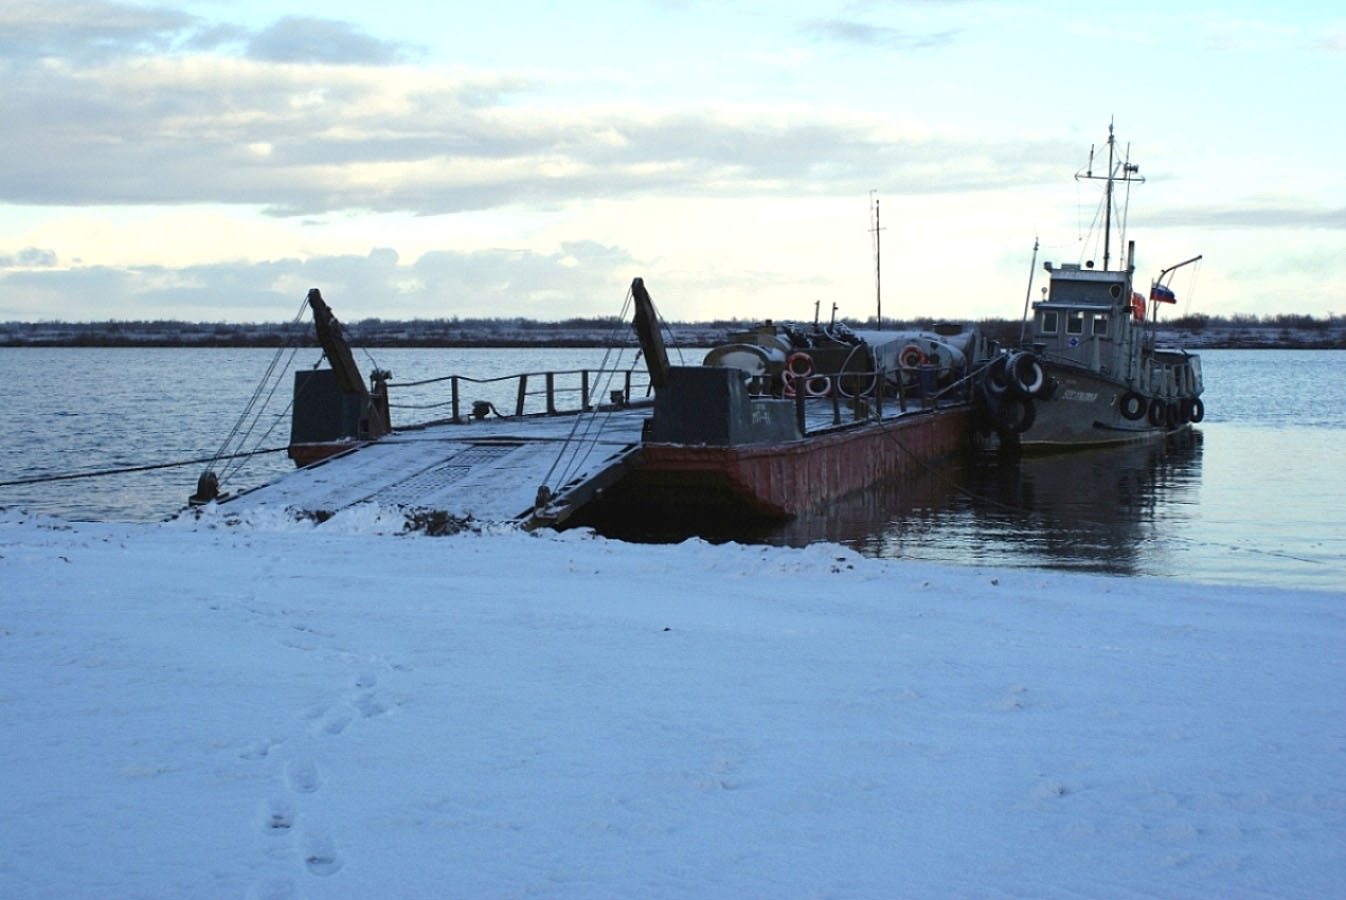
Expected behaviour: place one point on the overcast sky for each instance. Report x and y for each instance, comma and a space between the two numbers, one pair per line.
213, 160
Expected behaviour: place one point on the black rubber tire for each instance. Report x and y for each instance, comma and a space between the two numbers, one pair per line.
997, 379
1026, 374
1132, 406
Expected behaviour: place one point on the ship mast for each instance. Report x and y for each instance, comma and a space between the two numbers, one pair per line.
1130, 172
878, 281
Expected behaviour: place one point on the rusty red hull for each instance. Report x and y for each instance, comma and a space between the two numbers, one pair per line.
783, 479
309, 453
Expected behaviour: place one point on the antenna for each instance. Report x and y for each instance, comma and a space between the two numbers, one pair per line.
1028, 294
1124, 171
878, 280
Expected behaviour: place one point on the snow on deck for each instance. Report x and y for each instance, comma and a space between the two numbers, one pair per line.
487, 470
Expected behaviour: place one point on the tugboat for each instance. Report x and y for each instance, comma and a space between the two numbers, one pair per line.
1090, 373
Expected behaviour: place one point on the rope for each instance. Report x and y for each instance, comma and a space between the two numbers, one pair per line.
589, 421
257, 392
231, 471
1191, 291
42, 479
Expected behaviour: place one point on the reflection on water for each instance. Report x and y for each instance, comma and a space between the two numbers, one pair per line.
1091, 510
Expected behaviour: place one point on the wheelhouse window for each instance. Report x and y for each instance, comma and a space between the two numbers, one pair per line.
1100, 324
1049, 321
1075, 322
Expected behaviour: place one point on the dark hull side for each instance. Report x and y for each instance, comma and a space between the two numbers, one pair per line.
779, 480
1085, 410
307, 454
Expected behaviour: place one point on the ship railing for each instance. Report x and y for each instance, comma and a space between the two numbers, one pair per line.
1166, 382
550, 392
857, 396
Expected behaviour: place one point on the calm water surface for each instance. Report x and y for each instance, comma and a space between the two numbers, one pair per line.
1255, 494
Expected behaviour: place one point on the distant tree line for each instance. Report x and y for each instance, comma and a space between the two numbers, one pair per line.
1240, 330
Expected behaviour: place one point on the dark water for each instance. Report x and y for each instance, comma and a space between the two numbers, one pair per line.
1255, 494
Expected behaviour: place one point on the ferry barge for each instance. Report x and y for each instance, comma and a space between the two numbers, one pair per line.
773, 423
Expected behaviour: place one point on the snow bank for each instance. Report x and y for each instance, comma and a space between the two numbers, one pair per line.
277, 709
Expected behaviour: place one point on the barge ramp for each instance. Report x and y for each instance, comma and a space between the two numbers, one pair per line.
488, 471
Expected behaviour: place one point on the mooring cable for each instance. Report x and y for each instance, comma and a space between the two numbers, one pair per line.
291, 345
70, 476
573, 465
230, 471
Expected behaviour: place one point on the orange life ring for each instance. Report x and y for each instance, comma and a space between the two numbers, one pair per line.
800, 365
911, 357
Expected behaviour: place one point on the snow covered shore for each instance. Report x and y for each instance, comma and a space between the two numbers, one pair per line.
195, 709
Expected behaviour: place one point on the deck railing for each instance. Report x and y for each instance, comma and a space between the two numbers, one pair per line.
525, 393
560, 392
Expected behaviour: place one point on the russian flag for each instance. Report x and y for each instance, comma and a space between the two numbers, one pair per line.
1161, 294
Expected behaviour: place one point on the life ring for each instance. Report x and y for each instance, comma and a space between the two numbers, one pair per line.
1026, 373
1132, 406
997, 379
799, 365
818, 386
1158, 412
911, 356
1196, 410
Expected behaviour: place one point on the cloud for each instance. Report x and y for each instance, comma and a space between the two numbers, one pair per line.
577, 279
83, 29
314, 118
1250, 216
91, 30
855, 33
29, 258
1332, 41
305, 39
311, 139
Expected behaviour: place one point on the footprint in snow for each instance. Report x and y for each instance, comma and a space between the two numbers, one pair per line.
320, 856
315, 711
369, 705
302, 776
366, 680
336, 724
277, 817
257, 749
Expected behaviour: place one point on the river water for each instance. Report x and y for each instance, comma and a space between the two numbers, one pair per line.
1256, 494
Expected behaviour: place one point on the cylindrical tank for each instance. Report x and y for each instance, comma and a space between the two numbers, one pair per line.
752, 359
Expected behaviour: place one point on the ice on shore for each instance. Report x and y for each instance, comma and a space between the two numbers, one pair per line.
283, 710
